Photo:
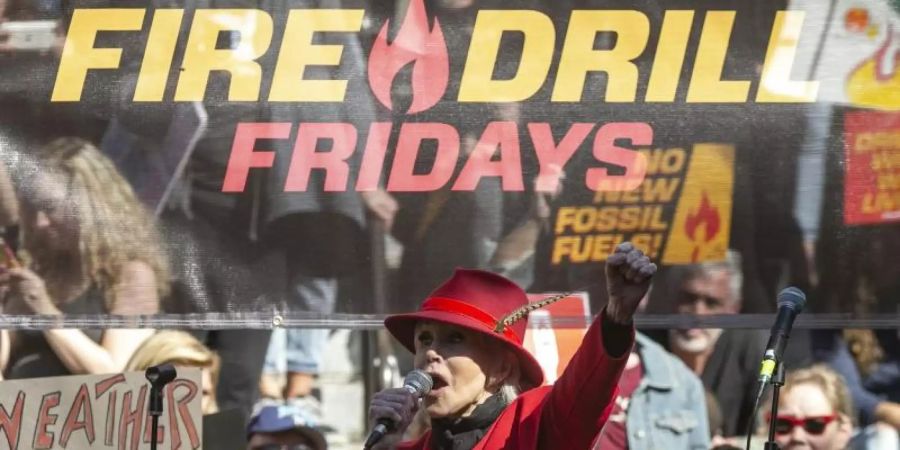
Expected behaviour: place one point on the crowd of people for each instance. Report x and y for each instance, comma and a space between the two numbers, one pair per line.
79, 239
697, 391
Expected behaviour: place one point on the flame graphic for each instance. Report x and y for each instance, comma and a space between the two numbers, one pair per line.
705, 215
415, 44
876, 82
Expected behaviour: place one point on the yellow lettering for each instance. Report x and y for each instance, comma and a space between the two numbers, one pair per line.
584, 220
607, 218
562, 246
201, 56
579, 57
706, 81
660, 190
673, 41
672, 161
775, 85
889, 181
603, 245
564, 218
477, 84
79, 54
629, 218
298, 52
151, 82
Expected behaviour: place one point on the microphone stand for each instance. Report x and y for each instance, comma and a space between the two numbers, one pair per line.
777, 383
159, 377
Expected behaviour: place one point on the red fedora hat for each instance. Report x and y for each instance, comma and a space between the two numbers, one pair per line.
480, 301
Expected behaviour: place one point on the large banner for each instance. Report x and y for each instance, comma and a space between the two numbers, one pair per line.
99, 412
225, 163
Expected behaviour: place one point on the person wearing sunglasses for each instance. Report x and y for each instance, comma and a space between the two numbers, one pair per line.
814, 411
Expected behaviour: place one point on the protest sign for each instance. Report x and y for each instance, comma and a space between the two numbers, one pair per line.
98, 412
872, 180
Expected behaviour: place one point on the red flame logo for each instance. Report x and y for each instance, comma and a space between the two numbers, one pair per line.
416, 44
707, 216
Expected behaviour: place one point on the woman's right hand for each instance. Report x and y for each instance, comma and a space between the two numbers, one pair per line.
397, 405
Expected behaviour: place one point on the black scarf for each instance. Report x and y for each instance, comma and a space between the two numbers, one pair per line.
463, 433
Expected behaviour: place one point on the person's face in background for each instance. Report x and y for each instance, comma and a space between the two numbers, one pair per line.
50, 213
208, 402
283, 440
459, 362
707, 294
804, 401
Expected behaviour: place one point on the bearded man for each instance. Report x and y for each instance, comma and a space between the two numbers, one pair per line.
726, 360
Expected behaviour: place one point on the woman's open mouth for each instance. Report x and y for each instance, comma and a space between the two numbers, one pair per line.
438, 383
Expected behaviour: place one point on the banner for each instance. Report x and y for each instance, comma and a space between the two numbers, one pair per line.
872, 183
98, 412
221, 164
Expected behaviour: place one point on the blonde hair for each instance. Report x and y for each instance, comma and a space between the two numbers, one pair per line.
830, 382
512, 385
178, 348
114, 227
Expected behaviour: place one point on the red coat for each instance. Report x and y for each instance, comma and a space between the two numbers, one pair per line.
567, 415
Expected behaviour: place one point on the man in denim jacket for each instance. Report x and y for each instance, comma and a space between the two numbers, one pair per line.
661, 404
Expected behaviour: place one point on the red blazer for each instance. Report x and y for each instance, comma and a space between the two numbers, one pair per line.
567, 415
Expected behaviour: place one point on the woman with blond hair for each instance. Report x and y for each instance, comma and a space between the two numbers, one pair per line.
88, 247
181, 350
815, 412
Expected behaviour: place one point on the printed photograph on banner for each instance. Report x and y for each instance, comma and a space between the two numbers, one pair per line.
680, 213
872, 169
554, 344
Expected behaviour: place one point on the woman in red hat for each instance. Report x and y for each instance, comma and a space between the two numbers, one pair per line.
488, 391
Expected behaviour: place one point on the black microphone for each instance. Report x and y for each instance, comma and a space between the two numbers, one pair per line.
417, 383
790, 303
158, 376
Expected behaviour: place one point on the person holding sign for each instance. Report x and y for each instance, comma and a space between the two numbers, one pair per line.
91, 249
487, 389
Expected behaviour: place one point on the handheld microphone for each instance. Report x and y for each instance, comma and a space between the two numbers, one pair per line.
790, 303
417, 383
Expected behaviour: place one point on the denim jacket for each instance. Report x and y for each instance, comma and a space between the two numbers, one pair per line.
668, 408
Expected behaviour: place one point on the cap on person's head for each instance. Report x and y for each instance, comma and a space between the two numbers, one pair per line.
281, 418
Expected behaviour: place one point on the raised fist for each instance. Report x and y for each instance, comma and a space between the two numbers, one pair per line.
628, 274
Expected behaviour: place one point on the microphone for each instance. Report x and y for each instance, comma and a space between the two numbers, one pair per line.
417, 383
790, 303
158, 376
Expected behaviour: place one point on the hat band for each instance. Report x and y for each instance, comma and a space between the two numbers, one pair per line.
469, 310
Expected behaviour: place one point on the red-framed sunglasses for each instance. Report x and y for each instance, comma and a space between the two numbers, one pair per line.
813, 425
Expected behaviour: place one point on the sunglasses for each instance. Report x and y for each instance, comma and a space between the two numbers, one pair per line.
812, 425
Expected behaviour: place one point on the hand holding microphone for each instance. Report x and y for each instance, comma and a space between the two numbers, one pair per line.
392, 410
